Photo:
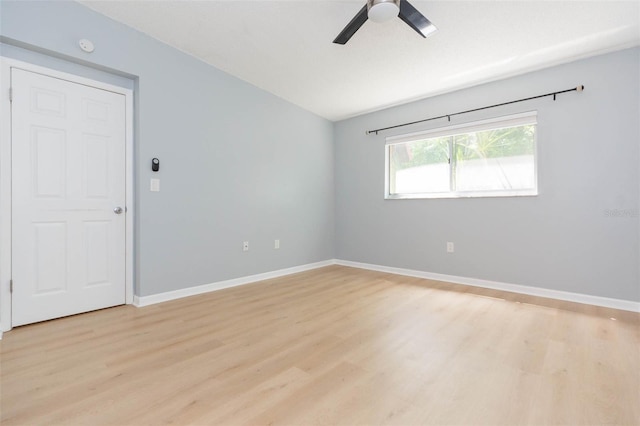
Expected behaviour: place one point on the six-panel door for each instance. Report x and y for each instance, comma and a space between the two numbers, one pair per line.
68, 176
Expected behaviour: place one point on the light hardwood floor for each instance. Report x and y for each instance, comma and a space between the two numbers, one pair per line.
332, 346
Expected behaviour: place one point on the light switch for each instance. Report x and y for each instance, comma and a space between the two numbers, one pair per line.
155, 185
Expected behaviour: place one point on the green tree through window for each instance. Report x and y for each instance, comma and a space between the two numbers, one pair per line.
494, 159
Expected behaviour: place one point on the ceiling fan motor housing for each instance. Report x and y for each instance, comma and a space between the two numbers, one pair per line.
385, 10
382, 10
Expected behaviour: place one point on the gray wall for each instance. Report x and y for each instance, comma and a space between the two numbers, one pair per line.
237, 163
563, 239
44, 60
240, 164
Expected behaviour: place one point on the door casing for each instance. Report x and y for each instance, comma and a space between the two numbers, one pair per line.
6, 173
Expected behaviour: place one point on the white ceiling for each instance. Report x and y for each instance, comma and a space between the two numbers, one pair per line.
285, 47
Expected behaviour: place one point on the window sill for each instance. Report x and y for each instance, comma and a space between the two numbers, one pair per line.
479, 194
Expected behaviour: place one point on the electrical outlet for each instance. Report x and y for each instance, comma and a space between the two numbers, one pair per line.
245, 246
276, 244
450, 248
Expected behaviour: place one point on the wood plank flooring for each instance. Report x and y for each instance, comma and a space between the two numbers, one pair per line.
333, 346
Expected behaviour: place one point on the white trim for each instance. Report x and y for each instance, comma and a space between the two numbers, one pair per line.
141, 301
625, 305
5, 176
464, 194
129, 199
512, 120
5, 197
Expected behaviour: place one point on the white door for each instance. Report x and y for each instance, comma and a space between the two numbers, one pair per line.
68, 184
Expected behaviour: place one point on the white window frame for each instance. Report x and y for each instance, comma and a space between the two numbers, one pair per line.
522, 119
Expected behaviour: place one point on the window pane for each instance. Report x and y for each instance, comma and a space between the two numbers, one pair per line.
419, 167
488, 158
495, 160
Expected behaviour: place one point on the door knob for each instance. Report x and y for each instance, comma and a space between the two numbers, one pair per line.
117, 210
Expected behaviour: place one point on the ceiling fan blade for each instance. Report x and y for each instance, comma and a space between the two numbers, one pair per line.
415, 19
353, 26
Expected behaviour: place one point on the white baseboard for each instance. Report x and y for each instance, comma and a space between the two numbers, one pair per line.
141, 301
625, 305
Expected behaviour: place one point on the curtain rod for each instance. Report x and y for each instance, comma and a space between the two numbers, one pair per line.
448, 116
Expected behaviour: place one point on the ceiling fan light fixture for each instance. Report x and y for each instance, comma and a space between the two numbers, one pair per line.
383, 10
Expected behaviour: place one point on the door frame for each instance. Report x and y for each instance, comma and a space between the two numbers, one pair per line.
6, 174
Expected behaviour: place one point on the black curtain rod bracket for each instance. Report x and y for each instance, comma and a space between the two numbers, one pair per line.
448, 116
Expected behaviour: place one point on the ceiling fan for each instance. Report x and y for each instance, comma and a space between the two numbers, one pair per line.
384, 10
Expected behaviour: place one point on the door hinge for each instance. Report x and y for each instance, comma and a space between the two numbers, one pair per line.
10, 286
10, 94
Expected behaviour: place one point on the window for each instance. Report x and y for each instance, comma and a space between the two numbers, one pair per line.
491, 158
